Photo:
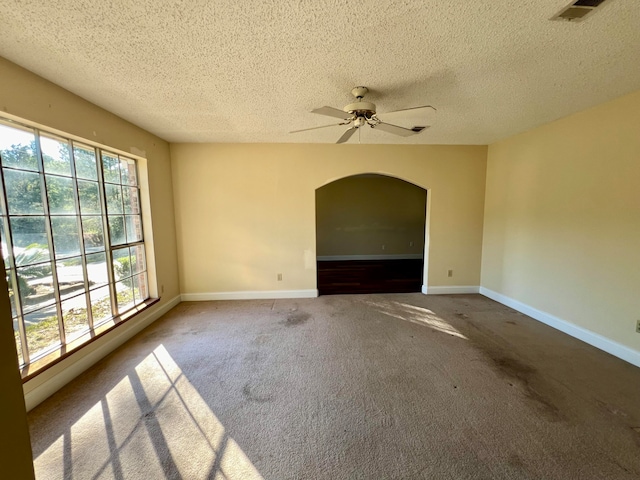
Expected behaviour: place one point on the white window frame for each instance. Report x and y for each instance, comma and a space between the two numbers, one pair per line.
31, 366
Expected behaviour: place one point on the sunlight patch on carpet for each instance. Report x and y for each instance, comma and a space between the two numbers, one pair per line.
419, 315
162, 425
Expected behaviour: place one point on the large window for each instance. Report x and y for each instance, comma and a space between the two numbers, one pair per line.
72, 238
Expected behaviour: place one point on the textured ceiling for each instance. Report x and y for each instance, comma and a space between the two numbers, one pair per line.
227, 71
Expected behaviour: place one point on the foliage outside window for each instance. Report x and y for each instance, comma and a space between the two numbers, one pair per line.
72, 238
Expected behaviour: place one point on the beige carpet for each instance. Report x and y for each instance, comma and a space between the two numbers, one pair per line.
396, 386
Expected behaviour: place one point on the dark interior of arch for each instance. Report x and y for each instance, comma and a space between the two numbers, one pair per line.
370, 235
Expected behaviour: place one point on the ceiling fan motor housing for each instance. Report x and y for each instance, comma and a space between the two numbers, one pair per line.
360, 108
365, 109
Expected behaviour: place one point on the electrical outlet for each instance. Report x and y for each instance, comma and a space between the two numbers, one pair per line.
449, 273
161, 289
279, 277
411, 244
383, 247
638, 326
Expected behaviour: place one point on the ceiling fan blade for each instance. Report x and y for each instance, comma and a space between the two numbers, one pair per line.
396, 130
347, 135
411, 110
315, 128
332, 112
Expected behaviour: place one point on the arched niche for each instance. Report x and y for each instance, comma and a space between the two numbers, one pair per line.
371, 235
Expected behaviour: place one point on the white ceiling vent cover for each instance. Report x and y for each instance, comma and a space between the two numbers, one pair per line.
578, 10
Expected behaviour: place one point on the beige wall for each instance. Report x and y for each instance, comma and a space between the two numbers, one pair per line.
562, 219
247, 212
361, 215
30, 97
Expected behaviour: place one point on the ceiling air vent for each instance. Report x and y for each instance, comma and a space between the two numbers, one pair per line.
578, 10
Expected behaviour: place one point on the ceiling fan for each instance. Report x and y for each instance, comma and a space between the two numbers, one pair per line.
362, 113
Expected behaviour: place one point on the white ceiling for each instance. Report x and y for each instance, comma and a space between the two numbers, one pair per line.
229, 71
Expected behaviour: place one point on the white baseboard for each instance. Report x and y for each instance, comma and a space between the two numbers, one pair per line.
249, 295
401, 256
448, 290
603, 343
50, 381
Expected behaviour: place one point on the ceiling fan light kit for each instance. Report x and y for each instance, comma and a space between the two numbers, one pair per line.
361, 113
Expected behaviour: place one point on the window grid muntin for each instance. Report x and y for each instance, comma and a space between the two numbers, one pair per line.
83, 259
49, 232
11, 268
12, 271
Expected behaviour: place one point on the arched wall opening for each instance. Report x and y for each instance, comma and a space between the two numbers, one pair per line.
370, 235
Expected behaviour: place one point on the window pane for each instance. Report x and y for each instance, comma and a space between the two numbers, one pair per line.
70, 277
131, 200
121, 263
30, 244
85, 158
55, 155
16, 334
3, 242
12, 292
89, 197
134, 228
140, 288
74, 316
61, 196
77, 203
138, 261
36, 286
93, 234
114, 198
42, 330
128, 171
24, 192
116, 230
125, 296
100, 305
66, 238
18, 147
97, 269
110, 168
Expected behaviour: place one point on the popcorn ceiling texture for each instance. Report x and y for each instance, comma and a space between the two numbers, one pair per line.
226, 71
